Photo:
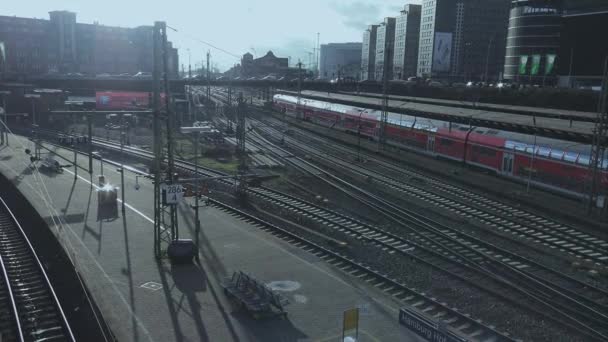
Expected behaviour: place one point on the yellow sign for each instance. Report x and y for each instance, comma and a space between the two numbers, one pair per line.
351, 319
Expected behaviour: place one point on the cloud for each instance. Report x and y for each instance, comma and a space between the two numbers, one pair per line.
358, 14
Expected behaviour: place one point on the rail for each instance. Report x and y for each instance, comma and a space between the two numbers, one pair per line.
36, 308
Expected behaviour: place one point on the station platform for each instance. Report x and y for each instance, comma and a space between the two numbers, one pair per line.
145, 300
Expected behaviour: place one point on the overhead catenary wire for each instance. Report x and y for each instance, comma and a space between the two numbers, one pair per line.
193, 37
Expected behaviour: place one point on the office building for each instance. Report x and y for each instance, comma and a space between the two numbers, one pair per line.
368, 53
385, 40
407, 32
340, 60
61, 45
462, 39
556, 42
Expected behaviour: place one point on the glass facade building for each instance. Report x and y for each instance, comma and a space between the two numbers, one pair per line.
534, 36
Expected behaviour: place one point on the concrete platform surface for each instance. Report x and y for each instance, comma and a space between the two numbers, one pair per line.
143, 300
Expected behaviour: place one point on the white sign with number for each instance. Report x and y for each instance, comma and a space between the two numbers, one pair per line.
171, 193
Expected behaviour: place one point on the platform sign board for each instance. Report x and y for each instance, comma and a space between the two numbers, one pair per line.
426, 328
350, 323
171, 193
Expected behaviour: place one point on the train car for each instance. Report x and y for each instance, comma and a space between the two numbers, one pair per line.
548, 163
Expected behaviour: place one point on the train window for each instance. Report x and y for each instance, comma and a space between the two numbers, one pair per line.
484, 151
520, 147
557, 154
543, 151
570, 157
446, 142
583, 160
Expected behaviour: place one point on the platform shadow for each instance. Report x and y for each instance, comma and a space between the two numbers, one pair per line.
72, 218
181, 283
25, 172
269, 329
206, 250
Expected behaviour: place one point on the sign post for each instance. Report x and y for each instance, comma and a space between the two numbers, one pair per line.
350, 322
171, 194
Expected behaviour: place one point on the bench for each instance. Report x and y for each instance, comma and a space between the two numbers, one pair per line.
254, 296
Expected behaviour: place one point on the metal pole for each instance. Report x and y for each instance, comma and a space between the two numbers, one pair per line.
90, 131
122, 165
197, 223
485, 77
208, 79
75, 162
531, 164
5, 118
598, 147
157, 140
170, 127
359, 139
4, 130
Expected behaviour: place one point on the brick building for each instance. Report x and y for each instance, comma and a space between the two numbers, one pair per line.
61, 45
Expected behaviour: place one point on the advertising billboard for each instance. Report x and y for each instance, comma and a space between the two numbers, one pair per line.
523, 63
535, 65
2, 52
123, 100
549, 63
442, 52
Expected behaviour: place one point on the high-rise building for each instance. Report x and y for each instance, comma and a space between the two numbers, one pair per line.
534, 30
61, 45
407, 33
368, 53
340, 59
385, 40
462, 39
556, 41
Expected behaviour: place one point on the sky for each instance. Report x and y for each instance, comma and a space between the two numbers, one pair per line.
288, 28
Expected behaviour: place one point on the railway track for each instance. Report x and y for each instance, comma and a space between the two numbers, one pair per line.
341, 222
468, 204
469, 328
546, 285
378, 237
29, 308
568, 283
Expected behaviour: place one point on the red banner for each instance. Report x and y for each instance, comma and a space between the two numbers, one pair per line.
124, 100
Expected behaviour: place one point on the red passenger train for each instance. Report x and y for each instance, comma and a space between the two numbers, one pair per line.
552, 164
